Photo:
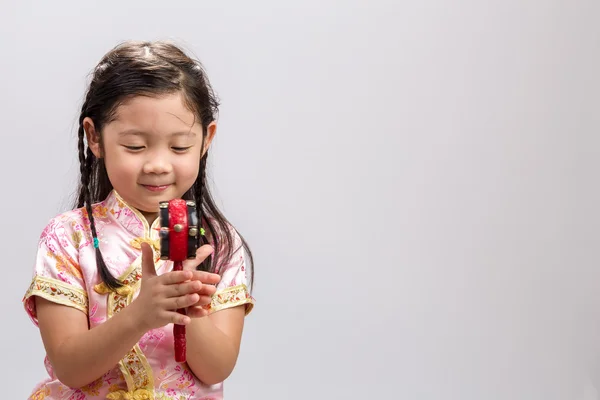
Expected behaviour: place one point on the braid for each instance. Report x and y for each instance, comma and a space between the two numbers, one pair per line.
145, 68
202, 178
205, 266
81, 147
86, 164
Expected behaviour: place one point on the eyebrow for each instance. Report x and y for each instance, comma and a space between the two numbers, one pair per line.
135, 132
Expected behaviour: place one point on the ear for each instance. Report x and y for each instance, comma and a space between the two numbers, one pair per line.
93, 137
211, 130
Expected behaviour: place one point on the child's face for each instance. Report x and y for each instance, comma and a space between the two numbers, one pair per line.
151, 150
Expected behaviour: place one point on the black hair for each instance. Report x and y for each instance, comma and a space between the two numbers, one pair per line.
151, 69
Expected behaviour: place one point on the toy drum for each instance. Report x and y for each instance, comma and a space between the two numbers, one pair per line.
179, 241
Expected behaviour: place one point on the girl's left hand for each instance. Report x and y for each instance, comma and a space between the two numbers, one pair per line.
208, 280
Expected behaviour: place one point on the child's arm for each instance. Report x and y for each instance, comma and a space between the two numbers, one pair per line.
78, 355
213, 341
213, 344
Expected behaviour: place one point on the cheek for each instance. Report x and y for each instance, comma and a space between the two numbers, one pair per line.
120, 168
187, 169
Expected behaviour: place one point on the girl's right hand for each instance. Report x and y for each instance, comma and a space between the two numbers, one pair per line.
161, 296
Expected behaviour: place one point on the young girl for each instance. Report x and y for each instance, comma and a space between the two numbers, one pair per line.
103, 300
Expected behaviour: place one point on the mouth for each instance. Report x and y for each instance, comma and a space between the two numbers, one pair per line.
156, 188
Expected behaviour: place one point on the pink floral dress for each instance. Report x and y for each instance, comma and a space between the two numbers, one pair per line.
65, 273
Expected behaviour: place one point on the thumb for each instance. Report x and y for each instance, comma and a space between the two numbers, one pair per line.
148, 267
201, 254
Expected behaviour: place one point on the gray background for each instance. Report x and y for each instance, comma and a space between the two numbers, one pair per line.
418, 181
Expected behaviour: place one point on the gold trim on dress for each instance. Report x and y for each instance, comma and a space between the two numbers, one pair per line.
123, 204
231, 297
134, 365
136, 243
139, 394
58, 292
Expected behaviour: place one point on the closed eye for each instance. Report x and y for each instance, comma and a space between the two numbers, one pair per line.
134, 148
181, 149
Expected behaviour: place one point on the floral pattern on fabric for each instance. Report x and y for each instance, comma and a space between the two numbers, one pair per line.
232, 296
57, 292
65, 273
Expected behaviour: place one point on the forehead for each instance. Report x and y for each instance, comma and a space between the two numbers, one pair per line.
154, 115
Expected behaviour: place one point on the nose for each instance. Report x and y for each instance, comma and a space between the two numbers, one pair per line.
157, 164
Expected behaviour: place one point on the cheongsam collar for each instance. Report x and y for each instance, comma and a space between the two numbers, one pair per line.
130, 218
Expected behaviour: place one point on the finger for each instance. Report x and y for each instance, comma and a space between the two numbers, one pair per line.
178, 319
201, 254
181, 289
197, 312
203, 301
175, 277
175, 303
207, 278
148, 267
207, 290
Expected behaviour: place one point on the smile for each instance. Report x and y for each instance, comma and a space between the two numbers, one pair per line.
156, 188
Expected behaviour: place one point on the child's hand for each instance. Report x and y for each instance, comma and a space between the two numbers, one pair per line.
208, 281
161, 296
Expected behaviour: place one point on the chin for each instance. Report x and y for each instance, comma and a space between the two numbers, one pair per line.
153, 198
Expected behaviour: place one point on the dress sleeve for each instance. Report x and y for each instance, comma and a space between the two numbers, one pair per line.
57, 276
232, 290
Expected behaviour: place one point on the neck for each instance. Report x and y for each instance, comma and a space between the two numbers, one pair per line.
150, 217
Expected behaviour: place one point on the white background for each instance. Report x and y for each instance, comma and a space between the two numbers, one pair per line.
418, 182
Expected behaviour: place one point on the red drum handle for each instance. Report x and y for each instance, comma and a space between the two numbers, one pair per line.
178, 242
